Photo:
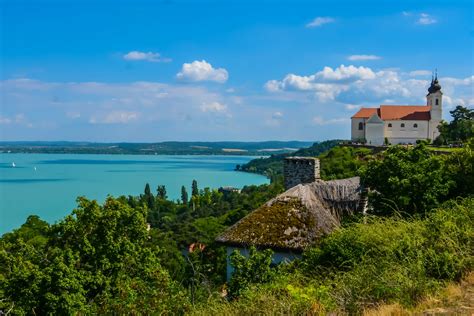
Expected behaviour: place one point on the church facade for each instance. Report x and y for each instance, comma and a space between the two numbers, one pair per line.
400, 124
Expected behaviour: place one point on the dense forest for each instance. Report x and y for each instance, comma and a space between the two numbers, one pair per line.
148, 254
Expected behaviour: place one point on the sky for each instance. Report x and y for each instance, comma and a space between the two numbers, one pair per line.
146, 71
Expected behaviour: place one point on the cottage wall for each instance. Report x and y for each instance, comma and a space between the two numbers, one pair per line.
299, 170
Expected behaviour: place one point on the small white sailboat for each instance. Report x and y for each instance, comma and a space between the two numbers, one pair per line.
34, 168
13, 165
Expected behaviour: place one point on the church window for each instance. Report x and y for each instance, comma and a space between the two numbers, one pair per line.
389, 124
437, 102
415, 125
361, 126
403, 125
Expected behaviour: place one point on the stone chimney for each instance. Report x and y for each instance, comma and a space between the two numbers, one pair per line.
298, 170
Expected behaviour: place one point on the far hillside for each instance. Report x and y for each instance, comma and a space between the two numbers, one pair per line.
337, 161
162, 148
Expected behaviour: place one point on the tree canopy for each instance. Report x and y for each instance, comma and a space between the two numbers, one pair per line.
460, 129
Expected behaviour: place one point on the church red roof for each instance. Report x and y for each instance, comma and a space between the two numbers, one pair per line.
366, 112
397, 112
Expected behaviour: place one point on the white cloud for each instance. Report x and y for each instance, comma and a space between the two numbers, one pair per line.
18, 119
406, 13
273, 120
319, 21
213, 107
73, 114
272, 85
318, 120
146, 56
351, 107
363, 57
115, 117
277, 115
416, 73
343, 73
157, 111
325, 82
352, 87
5, 120
426, 19
202, 71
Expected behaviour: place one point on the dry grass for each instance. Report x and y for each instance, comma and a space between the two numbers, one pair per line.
455, 299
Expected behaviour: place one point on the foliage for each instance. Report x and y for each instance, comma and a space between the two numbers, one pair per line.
251, 269
410, 180
161, 192
103, 259
393, 260
460, 167
286, 294
460, 129
195, 189
336, 161
184, 195
381, 261
272, 166
343, 162
94, 260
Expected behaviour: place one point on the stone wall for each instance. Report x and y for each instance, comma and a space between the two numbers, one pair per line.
298, 170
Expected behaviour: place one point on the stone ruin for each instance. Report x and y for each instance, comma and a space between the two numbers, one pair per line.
300, 170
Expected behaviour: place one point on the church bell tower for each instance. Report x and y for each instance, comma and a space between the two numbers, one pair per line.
434, 98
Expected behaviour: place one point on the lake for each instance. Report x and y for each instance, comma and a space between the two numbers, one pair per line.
48, 184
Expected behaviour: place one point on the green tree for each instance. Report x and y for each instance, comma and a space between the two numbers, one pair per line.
460, 129
460, 167
148, 197
161, 192
184, 195
195, 189
411, 180
96, 260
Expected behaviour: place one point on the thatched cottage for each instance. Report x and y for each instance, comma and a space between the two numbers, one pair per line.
297, 218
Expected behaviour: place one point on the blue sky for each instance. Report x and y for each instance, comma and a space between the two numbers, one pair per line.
222, 70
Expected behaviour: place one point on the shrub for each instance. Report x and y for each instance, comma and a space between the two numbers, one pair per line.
394, 260
256, 268
411, 180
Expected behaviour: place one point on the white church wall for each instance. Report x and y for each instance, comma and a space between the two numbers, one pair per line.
433, 130
375, 133
408, 134
356, 134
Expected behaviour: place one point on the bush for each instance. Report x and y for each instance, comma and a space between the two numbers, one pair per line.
395, 260
256, 268
408, 180
94, 261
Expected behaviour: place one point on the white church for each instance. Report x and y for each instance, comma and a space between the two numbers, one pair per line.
400, 124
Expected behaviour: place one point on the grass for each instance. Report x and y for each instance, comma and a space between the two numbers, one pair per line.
445, 149
454, 299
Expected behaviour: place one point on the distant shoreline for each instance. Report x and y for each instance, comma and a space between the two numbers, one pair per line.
163, 148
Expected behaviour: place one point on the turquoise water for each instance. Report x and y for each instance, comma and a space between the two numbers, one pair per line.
48, 184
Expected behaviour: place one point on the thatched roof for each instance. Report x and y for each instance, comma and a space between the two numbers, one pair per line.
296, 218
